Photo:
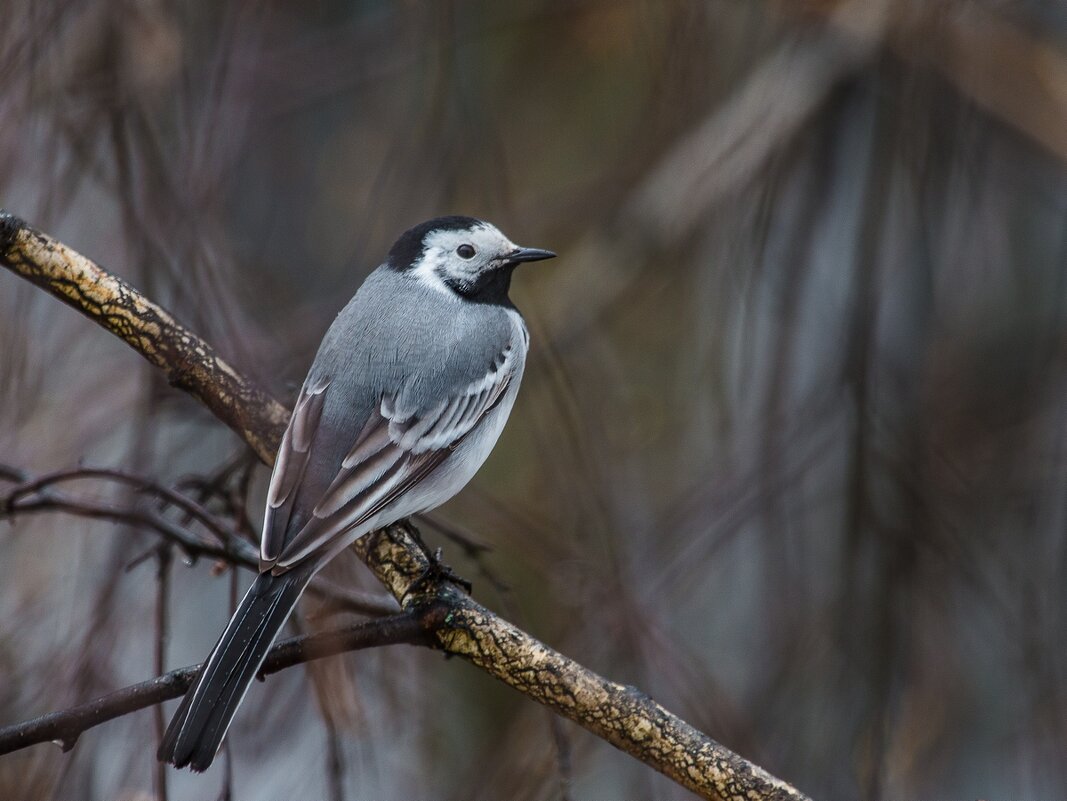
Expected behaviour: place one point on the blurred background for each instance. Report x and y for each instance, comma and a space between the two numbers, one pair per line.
791, 452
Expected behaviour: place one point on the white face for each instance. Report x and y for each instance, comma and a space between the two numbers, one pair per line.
462, 256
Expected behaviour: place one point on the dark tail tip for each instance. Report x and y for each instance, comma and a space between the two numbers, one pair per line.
198, 727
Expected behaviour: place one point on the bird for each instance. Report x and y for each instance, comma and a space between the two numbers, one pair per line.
406, 397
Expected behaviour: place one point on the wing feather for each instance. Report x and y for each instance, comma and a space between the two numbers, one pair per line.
290, 466
350, 483
396, 449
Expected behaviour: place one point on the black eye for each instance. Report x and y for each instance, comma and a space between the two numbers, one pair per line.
465, 252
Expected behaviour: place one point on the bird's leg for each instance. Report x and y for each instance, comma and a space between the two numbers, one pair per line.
445, 572
436, 570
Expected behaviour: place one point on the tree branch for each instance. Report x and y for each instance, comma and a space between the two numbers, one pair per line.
623, 716
65, 727
188, 362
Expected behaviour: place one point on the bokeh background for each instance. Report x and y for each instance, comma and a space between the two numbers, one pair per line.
791, 452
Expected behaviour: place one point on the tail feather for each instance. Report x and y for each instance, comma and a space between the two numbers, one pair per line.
198, 727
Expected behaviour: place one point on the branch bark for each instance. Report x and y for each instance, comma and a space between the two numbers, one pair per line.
453, 622
64, 728
622, 715
188, 362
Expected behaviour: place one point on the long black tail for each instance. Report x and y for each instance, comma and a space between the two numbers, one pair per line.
197, 728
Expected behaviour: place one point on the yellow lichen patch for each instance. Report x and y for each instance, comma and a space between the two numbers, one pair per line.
640, 729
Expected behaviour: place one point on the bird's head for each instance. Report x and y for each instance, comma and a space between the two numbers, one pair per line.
462, 256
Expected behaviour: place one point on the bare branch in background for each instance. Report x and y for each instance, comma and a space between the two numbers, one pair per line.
624, 716
64, 728
770, 107
1017, 75
160, 655
36, 495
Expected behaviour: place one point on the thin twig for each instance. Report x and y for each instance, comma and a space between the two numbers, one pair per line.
562, 744
232, 549
226, 793
334, 757
64, 728
162, 633
192, 509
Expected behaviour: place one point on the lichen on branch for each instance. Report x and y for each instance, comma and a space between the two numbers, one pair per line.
188, 362
622, 715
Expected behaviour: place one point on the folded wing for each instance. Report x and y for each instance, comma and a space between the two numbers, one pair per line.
404, 439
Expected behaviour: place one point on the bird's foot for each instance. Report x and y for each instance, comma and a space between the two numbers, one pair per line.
437, 570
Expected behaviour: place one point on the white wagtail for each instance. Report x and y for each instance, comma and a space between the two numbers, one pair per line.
407, 395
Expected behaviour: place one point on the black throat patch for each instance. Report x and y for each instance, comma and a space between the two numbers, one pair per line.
490, 287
